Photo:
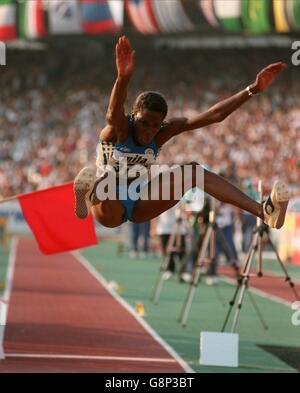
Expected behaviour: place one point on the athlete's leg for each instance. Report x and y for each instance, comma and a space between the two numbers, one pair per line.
224, 191
213, 184
216, 186
110, 212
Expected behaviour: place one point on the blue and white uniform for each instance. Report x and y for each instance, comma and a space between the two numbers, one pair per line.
135, 156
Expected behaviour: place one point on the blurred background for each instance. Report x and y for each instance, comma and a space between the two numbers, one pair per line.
60, 69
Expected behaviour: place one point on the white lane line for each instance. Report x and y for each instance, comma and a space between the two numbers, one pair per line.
89, 357
4, 303
85, 263
259, 292
10, 269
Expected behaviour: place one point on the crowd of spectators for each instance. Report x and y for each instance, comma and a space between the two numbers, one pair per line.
51, 113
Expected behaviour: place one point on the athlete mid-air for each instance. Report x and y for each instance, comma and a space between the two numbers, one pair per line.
137, 139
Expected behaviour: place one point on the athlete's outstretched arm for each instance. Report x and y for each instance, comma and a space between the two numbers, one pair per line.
221, 110
115, 115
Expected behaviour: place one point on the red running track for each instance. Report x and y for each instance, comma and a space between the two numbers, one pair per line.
271, 284
58, 308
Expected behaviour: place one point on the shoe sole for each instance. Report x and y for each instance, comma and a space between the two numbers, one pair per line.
281, 198
81, 189
81, 209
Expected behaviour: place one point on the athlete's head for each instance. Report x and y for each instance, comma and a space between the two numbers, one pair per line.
149, 111
152, 101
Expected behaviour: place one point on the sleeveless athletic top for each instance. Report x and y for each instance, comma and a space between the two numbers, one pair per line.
116, 154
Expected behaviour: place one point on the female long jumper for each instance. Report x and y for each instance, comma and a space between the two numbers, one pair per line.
136, 140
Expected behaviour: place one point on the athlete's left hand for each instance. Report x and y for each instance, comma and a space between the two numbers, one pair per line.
266, 76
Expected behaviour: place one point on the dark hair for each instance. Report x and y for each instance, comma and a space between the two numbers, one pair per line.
152, 101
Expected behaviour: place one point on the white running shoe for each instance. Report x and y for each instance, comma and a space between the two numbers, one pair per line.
83, 187
167, 275
186, 277
275, 206
212, 280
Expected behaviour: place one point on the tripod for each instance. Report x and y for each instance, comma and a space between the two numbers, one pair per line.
256, 245
208, 245
174, 245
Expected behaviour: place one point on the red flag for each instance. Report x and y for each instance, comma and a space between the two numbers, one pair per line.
50, 215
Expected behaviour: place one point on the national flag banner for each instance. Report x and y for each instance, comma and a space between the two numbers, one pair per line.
141, 16
64, 17
117, 10
280, 16
293, 13
31, 19
207, 8
171, 16
8, 30
229, 14
193, 11
178, 16
257, 16
160, 12
50, 215
151, 14
97, 18
133, 11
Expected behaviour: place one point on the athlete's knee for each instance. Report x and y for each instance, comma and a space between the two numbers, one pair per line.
198, 167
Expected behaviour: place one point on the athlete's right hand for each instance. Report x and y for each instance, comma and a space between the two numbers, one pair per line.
124, 58
266, 76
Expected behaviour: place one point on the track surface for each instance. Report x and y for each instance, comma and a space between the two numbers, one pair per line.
273, 285
61, 319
